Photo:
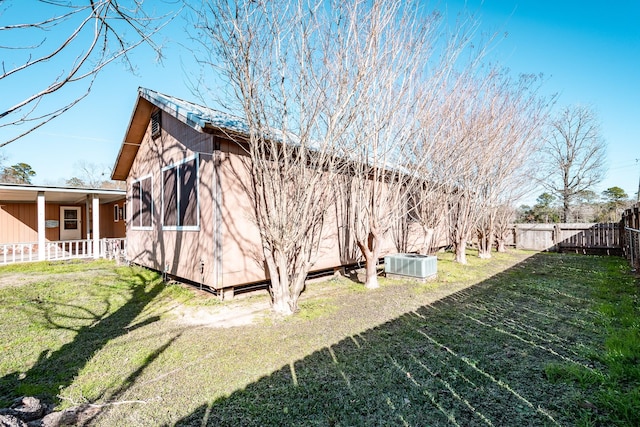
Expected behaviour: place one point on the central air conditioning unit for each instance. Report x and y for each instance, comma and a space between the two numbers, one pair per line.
412, 265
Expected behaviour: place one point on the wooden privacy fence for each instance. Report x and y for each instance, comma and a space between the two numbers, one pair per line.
610, 238
631, 236
587, 238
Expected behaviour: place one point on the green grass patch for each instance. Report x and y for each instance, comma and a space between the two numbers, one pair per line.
521, 339
56, 321
180, 293
55, 267
613, 295
582, 375
316, 308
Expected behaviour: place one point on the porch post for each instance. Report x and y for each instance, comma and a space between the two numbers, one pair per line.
41, 228
95, 225
87, 218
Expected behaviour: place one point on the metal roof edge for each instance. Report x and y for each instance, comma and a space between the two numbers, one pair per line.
165, 103
61, 189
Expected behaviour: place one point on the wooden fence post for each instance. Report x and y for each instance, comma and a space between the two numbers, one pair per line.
631, 237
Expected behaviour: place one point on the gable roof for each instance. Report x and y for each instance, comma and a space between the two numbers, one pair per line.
198, 117
202, 119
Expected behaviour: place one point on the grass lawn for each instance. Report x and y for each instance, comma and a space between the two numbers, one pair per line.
523, 339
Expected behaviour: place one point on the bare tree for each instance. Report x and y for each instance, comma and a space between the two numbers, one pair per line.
464, 166
446, 149
491, 141
504, 219
282, 68
513, 116
389, 45
441, 161
574, 152
92, 33
94, 175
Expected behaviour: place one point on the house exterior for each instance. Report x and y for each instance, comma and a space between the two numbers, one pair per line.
47, 222
189, 213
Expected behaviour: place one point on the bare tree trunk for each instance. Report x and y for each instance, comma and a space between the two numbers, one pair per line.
427, 247
566, 208
462, 220
400, 232
389, 52
371, 252
486, 234
460, 250
278, 62
504, 225
371, 280
281, 301
485, 243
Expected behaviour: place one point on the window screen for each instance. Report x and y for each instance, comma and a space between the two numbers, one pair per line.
141, 203
180, 194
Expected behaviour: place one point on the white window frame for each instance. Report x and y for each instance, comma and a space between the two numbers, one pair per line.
116, 213
178, 190
141, 227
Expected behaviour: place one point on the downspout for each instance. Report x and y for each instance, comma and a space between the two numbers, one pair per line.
217, 214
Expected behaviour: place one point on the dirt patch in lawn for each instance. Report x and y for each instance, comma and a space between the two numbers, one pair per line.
227, 315
70, 271
24, 279
16, 279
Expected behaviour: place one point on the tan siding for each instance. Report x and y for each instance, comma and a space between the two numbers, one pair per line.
108, 227
186, 254
242, 258
189, 254
19, 222
51, 212
16, 224
241, 249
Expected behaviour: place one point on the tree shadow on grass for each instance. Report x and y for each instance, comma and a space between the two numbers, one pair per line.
55, 370
477, 357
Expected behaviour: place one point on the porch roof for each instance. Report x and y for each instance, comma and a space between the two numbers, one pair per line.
29, 193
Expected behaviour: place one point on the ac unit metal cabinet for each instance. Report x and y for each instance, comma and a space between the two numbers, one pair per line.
412, 265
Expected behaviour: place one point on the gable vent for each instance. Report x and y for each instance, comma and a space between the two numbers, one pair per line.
412, 265
155, 124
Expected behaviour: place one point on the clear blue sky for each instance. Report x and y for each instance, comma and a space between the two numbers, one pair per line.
588, 50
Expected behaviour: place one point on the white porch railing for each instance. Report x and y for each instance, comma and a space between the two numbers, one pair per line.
59, 250
113, 248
